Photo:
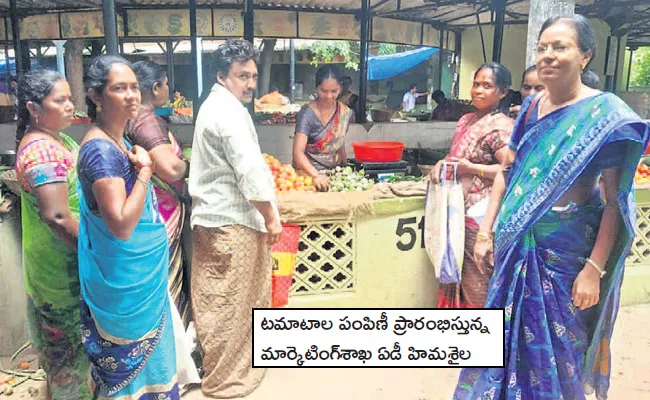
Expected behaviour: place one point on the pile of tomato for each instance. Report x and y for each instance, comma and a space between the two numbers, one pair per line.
642, 176
286, 178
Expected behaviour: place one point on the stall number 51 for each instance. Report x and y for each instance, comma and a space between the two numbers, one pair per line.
407, 234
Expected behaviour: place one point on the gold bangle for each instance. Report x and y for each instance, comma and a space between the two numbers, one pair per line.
481, 171
483, 235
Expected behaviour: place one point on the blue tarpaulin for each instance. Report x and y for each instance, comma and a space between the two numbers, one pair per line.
12, 65
382, 67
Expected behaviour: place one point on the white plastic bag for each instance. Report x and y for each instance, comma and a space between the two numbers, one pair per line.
444, 226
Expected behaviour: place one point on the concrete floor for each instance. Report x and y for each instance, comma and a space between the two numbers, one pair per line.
630, 377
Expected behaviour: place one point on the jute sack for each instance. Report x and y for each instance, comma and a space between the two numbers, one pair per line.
301, 206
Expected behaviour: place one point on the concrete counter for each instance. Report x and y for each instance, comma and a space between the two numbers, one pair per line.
278, 139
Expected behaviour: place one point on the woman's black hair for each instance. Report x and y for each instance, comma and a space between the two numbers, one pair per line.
34, 86
97, 77
590, 78
526, 72
328, 72
502, 80
149, 73
584, 33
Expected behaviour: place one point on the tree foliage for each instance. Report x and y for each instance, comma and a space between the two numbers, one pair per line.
640, 75
386, 49
325, 51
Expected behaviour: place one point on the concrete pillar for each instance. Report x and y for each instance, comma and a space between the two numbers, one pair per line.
540, 11
74, 63
629, 67
13, 300
60, 59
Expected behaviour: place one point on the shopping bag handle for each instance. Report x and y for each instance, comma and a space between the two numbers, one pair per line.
443, 172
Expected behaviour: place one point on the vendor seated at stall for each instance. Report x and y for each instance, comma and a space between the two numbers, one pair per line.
274, 97
321, 127
179, 99
444, 110
348, 97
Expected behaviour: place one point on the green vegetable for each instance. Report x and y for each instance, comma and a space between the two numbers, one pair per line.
345, 179
399, 178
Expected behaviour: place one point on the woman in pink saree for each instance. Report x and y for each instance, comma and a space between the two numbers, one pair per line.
150, 131
479, 145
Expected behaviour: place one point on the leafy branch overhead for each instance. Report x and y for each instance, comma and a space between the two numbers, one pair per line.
329, 51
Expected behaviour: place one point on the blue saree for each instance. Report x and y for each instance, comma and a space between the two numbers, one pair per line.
126, 320
554, 350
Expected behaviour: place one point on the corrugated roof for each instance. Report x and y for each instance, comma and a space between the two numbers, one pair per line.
455, 14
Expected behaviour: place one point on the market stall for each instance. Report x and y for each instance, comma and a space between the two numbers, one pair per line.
366, 249
372, 259
636, 285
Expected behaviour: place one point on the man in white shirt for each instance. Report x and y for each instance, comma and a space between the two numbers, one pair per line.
408, 102
234, 222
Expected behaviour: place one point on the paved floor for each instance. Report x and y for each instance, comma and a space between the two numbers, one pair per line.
630, 374
630, 378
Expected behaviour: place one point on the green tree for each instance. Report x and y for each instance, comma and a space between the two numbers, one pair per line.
640, 75
386, 49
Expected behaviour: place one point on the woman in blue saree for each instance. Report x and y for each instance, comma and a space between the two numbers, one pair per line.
559, 250
126, 313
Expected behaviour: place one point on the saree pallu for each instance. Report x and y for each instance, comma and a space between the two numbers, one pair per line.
126, 312
326, 144
52, 283
552, 349
172, 209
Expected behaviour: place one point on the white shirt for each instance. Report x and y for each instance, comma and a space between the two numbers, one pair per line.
227, 169
409, 101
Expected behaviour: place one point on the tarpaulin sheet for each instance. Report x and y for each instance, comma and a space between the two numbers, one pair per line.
382, 67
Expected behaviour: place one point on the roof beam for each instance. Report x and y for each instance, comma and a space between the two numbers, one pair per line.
381, 3
479, 11
409, 10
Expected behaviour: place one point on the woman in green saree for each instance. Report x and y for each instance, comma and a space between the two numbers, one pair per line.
45, 167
